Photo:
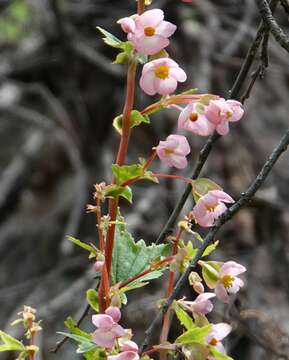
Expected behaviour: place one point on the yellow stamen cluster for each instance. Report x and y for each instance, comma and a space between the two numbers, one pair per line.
210, 208
169, 152
214, 342
149, 31
162, 72
227, 281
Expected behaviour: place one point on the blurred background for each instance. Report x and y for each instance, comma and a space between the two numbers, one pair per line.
58, 95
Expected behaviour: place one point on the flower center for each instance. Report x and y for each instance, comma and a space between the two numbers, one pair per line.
162, 72
229, 114
169, 152
214, 342
194, 116
149, 31
210, 208
227, 281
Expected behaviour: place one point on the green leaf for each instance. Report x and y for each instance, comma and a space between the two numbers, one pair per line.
117, 190
10, 343
84, 345
195, 351
83, 245
209, 249
71, 325
197, 335
92, 299
202, 186
183, 317
131, 258
142, 281
217, 355
128, 172
136, 118
95, 354
110, 39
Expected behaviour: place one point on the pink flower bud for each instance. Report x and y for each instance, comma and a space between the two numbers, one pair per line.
198, 287
98, 265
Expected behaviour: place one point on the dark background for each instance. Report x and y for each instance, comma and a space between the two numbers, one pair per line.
58, 95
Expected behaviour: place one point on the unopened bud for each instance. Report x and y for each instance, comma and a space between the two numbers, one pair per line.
198, 287
98, 265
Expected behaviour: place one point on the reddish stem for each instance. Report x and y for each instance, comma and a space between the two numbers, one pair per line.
140, 6
147, 271
99, 226
167, 316
175, 177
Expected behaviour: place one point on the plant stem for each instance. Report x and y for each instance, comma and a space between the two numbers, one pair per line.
174, 177
99, 226
167, 316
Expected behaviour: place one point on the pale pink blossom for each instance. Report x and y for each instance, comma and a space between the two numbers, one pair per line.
218, 333
161, 76
210, 206
201, 306
129, 352
173, 151
220, 112
108, 329
228, 282
127, 24
192, 120
98, 265
151, 32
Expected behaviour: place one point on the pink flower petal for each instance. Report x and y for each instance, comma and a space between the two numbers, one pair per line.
114, 312
104, 338
147, 83
222, 196
221, 293
223, 128
166, 29
102, 321
221, 330
117, 330
165, 86
151, 45
179, 162
126, 355
237, 284
129, 346
178, 74
232, 268
151, 18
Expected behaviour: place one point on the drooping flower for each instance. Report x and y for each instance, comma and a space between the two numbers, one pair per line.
150, 32
98, 265
210, 206
218, 333
129, 352
192, 120
202, 304
108, 327
173, 151
220, 112
228, 282
161, 76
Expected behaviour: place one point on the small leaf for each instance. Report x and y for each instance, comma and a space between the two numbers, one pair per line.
202, 186
84, 345
115, 191
92, 299
131, 258
183, 317
121, 58
71, 325
109, 38
126, 172
136, 118
197, 335
210, 248
82, 245
10, 343
217, 355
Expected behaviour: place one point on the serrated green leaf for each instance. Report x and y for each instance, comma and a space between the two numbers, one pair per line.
82, 244
71, 325
109, 38
115, 191
183, 317
209, 249
92, 299
131, 258
217, 355
10, 343
202, 186
129, 172
197, 335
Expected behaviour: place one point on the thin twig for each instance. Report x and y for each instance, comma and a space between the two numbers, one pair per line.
244, 200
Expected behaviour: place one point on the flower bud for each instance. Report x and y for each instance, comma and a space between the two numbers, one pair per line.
98, 265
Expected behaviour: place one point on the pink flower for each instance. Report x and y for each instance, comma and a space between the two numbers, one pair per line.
151, 32
108, 329
218, 333
98, 265
210, 206
129, 352
201, 306
221, 112
127, 24
190, 119
173, 151
161, 76
228, 282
